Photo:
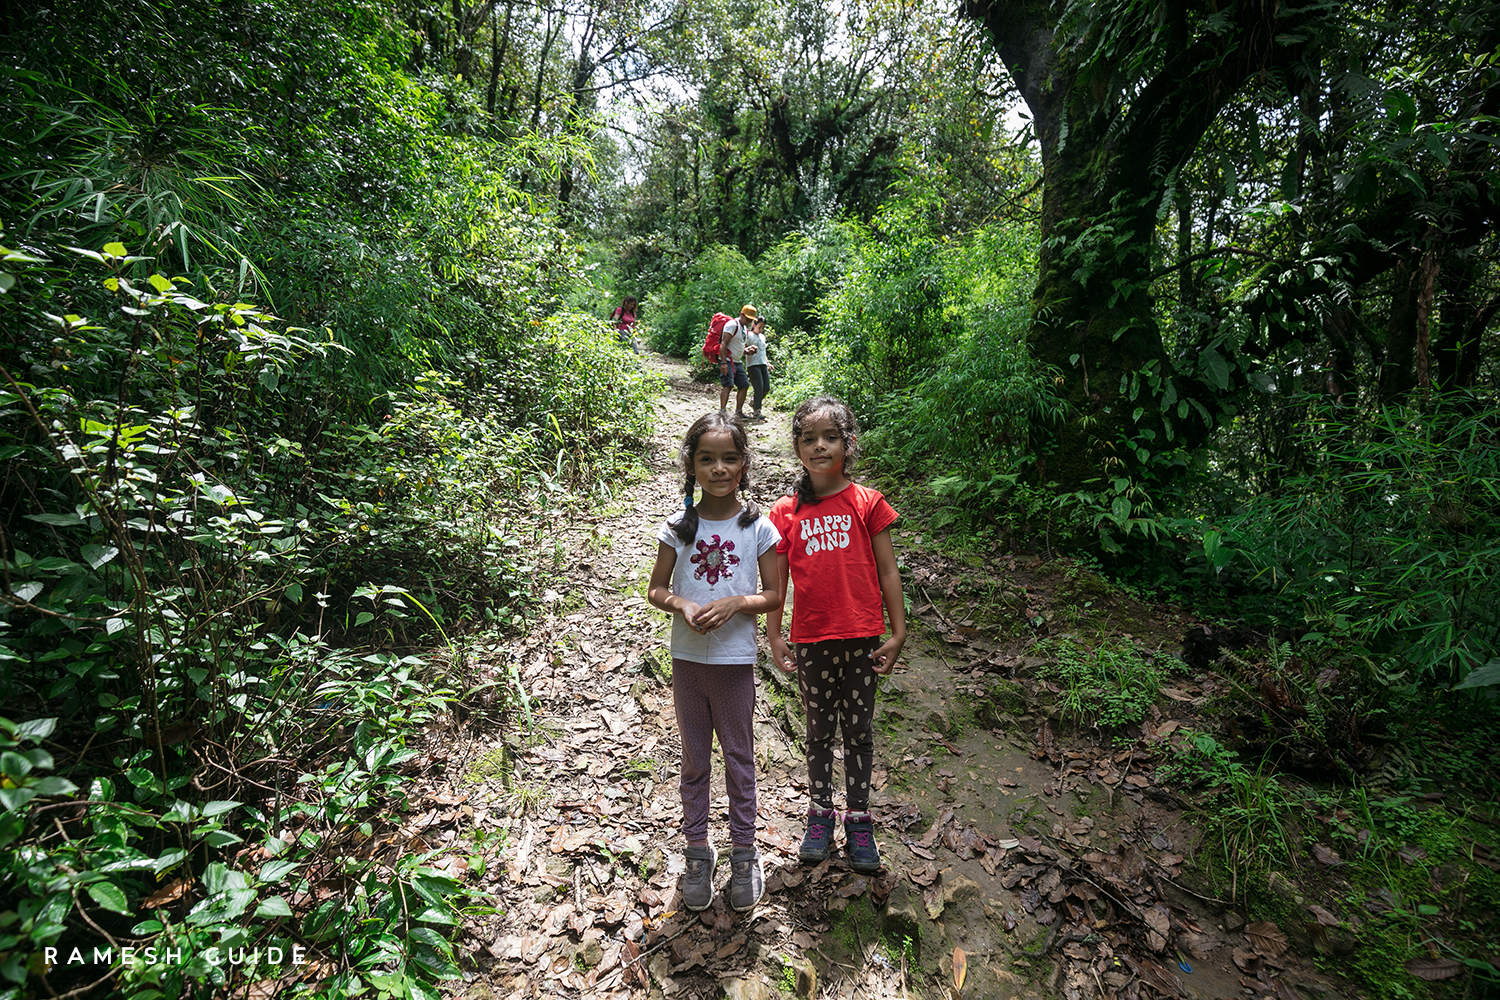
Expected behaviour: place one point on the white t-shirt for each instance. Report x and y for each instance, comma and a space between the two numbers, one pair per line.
758, 341
734, 338
721, 562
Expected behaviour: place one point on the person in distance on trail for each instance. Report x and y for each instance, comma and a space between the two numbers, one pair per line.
836, 545
732, 361
715, 571
624, 318
757, 365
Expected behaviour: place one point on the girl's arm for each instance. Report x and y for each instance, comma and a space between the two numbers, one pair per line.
895, 604
781, 653
716, 613
659, 588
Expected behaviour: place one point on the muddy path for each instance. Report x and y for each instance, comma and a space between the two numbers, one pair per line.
1044, 861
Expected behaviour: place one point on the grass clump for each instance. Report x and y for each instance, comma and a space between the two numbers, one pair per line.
1108, 686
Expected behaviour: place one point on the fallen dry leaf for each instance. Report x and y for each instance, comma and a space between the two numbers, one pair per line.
960, 969
854, 888
1325, 918
169, 893
932, 899
1161, 980
1325, 855
1157, 919
924, 875
1284, 991
1434, 969
1267, 938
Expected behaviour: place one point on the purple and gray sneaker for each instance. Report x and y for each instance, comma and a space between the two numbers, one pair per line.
819, 837
859, 836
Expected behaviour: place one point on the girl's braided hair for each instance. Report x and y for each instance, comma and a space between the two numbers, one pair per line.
686, 526
838, 411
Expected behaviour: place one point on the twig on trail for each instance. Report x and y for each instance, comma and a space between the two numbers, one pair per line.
523, 852
620, 972
593, 875
1206, 899
942, 618
951, 748
832, 962
1124, 771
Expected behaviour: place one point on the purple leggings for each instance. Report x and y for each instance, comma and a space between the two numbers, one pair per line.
716, 698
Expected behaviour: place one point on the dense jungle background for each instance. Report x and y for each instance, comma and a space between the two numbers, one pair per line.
305, 361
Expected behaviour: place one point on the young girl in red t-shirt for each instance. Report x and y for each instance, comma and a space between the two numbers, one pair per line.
836, 545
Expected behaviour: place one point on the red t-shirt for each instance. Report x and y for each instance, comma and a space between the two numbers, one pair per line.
836, 587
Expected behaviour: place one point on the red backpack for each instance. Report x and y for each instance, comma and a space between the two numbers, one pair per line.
715, 334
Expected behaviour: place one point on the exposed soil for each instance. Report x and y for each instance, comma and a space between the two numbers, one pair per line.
1050, 859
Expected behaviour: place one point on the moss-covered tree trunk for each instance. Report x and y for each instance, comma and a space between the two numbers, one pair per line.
1117, 110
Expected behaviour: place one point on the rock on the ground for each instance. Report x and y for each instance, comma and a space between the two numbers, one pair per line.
735, 988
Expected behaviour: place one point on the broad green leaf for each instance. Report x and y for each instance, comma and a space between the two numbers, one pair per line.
109, 896
55, 786
1215, 368
273, 906
13, 765
276, 870
115, 250
218, 807
57, 520
1484, 676
14, 798
36, 729
98, 555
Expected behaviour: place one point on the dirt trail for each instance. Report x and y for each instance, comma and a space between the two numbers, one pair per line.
1050, 866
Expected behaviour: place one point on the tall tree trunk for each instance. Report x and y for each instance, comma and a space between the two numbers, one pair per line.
1107, 160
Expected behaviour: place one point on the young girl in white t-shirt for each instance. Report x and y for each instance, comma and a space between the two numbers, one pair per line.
715, 572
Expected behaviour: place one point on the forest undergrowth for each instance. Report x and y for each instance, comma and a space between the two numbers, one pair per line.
302, 366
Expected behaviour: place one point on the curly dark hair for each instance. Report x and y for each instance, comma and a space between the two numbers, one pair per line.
843, 418
686, 526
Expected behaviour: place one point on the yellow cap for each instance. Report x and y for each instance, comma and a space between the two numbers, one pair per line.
748, 312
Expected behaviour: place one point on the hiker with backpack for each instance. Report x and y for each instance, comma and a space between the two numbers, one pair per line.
732, 373
757, 366
624, 317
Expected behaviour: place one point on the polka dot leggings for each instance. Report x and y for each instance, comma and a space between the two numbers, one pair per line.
837, 678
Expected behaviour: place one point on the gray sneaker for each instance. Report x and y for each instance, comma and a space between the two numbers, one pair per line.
698, 883
747, 882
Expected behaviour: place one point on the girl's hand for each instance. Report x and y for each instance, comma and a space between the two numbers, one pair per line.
781, 655
689, 612
885, 657
714, 614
